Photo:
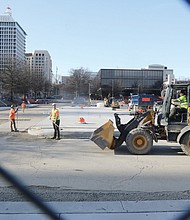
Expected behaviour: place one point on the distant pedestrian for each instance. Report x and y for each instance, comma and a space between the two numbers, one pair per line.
23, 105
54, 116
12, 114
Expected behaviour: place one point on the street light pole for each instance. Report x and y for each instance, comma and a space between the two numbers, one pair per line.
89, 93
112, 87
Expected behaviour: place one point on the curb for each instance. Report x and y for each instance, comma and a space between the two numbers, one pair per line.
159, 209
65, 132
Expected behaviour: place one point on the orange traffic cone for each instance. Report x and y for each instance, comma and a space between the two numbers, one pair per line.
82, 120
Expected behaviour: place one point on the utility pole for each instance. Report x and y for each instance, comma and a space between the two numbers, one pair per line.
89, 93
56, 91
112, 87
56, 75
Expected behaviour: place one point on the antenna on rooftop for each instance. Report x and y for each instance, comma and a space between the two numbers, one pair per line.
8, 11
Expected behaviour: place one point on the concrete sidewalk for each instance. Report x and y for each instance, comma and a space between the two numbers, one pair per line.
121, 210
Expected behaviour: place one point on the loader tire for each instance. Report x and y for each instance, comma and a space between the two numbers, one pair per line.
139, 141
185, 144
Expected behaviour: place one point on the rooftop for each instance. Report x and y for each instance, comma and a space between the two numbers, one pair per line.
6, 18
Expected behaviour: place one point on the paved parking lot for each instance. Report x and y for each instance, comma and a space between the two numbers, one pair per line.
74, 169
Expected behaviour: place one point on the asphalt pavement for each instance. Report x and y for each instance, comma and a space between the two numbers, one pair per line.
35, 121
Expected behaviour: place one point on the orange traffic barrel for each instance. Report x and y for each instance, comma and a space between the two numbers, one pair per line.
82, 120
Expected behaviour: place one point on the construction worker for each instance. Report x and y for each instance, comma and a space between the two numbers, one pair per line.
181, 107
23, 105
12, 114
54, 116
183, 101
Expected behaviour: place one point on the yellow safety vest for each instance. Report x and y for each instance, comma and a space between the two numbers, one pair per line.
183, 101
55, 114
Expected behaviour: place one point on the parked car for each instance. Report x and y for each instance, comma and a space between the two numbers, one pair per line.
42, 101
30, 100
79, 101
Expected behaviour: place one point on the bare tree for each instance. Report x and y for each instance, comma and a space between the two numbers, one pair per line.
23, 81
37, 84
95, 87
116, 88
95, 84
78, 81
16, 78
10, 76
47, 87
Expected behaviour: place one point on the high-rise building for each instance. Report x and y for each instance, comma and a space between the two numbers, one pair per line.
12, 40
40, 64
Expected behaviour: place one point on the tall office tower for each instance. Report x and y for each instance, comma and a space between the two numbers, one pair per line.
12, 40
40, 64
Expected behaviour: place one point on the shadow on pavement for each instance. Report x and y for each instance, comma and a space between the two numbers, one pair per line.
156, 150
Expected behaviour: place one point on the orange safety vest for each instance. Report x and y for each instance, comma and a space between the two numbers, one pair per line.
23, 105
12, 114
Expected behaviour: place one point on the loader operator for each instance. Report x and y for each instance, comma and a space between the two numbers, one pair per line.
182, 107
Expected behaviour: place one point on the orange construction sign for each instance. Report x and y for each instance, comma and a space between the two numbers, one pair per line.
146, 99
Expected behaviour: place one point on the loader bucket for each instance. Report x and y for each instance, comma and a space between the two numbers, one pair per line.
103, 136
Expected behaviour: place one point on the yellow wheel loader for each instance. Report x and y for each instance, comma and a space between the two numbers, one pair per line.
152, 125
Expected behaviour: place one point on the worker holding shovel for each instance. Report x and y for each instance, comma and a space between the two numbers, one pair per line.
54, 116
12, 114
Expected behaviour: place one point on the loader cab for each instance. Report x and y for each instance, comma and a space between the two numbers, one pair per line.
172, 93
174, 123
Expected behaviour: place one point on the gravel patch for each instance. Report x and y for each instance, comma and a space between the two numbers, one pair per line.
60, 194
